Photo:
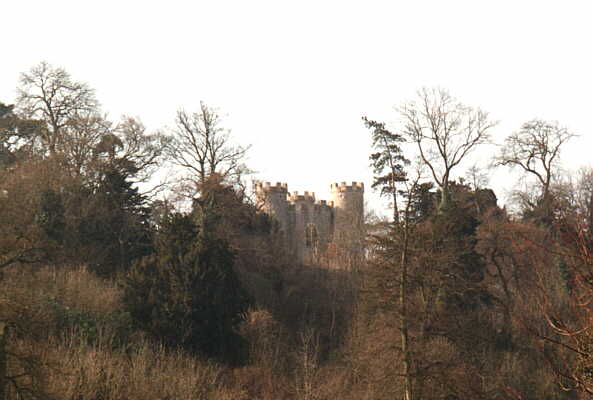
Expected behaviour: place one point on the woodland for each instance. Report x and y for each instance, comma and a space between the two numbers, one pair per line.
117, 283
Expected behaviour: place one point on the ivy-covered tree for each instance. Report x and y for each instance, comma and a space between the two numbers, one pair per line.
16, 135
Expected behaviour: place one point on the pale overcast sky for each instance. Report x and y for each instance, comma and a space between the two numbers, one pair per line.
294, 78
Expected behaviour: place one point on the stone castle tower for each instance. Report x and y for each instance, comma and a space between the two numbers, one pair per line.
312, 227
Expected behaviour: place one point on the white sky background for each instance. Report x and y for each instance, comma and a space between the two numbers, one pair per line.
294, 78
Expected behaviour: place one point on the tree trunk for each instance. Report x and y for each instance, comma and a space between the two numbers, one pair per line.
404, 317
445, 195
395, 210
3, 361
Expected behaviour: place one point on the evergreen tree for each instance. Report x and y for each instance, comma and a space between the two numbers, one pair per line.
388, 161
115, 223
187, 293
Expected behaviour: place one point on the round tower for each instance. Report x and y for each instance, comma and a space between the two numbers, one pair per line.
348, 201
273, 201
348, 232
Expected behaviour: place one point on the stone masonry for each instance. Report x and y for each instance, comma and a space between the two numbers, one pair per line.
312, 226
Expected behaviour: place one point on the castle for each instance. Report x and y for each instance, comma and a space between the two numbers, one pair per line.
311, 227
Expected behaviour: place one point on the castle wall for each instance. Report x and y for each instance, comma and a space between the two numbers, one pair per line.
310, 227
273, 200
349, 218
323, 215
348, 201
304, 216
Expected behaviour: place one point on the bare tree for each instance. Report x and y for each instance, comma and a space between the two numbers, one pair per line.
79, 138
204, 148
49, 94
144, 150
445, 132
477, 180
535, 148
476, 177
75, 129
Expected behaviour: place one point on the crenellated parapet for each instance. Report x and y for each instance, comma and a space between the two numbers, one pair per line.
307, 196
344, 187
324, 203
349, 204
310, 225
268, 187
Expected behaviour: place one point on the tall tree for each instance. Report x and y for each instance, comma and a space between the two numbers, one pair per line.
536, 149
187, 293
112, 225
73, 128
445, 132
204, 148
79, 141
99, 163
388, 161
404, 286
49, 94
134, 144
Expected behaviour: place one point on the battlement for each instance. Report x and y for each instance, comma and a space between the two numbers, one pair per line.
344, 187
309, 226
268, 187
310, 197
325, 203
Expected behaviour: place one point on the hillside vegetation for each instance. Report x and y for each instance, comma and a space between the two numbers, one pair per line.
188, 291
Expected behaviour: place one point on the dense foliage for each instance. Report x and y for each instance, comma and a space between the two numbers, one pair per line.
187, 293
